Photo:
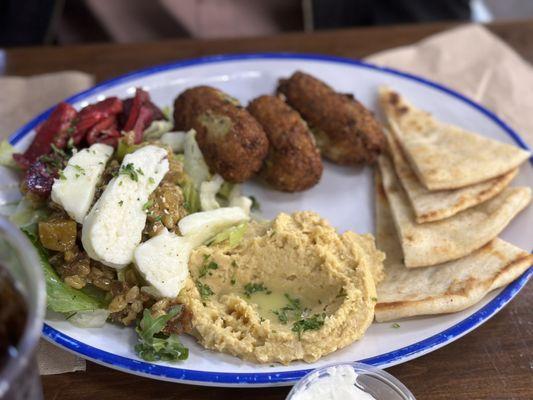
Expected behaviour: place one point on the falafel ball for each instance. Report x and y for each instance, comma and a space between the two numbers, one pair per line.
345, 131
293, 162
232, 141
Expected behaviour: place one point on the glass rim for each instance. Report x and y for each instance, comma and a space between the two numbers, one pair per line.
35, 286
360, 369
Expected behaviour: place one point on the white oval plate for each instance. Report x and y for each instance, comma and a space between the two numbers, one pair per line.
344, 196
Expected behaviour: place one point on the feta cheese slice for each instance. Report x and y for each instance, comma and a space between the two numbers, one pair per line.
113, 228
75, 188
164, 262
200, 226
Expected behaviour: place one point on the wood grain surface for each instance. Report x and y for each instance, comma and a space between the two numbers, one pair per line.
493, 362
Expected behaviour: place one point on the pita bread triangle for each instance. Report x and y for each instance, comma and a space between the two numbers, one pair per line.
442, 155
436, 205
450, 287
451, 238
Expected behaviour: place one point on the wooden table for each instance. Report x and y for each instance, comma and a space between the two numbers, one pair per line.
493, 362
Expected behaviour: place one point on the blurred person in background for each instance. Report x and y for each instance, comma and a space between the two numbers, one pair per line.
38, 22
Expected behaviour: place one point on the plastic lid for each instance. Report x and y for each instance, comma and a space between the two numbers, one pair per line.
374, 381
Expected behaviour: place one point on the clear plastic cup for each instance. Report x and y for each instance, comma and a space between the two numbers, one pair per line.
19, 376
374, 381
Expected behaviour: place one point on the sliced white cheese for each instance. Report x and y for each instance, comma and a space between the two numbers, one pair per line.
208, 193
75, 188
113, 228
164, 262
176, 140
199, 227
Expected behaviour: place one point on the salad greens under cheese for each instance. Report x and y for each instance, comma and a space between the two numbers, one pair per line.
97, 180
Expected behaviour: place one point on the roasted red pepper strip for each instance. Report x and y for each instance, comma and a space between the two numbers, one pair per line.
93, 114
104, 131
139, 113
144, 119
55, 130
141, 97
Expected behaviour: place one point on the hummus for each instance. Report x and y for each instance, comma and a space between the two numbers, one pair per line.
292, 289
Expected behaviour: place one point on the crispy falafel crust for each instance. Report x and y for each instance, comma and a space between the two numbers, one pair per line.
232, 141
346, 132
293, 162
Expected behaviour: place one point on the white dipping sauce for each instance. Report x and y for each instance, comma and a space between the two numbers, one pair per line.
337, 384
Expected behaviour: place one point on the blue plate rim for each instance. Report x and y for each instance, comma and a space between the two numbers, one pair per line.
287, 377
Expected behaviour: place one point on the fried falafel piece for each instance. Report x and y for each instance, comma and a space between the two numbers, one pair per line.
345, 131
293, 162
232, 141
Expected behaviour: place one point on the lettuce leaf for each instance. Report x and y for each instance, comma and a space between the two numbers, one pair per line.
194, 162
25, 215
191, 196
153, 344
208, 193
59, 296
6, 154
233, 235
124, 148
157, 129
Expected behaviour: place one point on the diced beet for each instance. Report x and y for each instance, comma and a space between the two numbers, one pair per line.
39, 176
55, 130
157, 113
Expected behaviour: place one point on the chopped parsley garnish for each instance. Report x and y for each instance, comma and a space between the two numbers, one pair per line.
62, 176
205, 290
312, 323
153, 344
234, 264
130, 170
342, 293
374, 299
395, 325
251, 288
206, 268
159, 218
79, 169
148, 204
120, 203
233, 281
151, 181
294, 307
57, 150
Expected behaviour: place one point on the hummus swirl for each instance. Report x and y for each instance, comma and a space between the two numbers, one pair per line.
293, 289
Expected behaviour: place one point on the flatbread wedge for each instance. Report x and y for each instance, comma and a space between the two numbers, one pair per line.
436, 205
451, 238
442, 155
444, 288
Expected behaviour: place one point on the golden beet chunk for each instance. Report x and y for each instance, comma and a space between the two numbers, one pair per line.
58, 234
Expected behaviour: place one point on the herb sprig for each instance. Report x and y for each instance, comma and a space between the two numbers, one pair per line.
153, 344
251, 288
294, 307
130, 170
312, 323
